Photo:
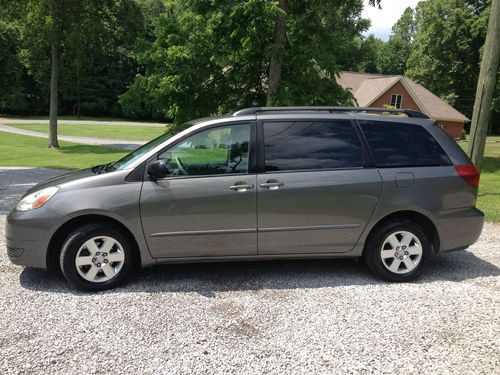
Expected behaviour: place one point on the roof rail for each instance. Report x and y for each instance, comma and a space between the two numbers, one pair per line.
255, 110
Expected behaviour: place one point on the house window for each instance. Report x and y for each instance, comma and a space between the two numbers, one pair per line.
396, 100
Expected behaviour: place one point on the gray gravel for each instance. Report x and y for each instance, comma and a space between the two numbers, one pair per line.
273, 317
14, 181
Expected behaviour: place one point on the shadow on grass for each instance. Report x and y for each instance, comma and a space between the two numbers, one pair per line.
79, 149
490, 165
207, 279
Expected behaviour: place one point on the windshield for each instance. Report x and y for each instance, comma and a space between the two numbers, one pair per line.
128, 160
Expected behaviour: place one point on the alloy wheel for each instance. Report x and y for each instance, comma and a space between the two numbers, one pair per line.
401, 252
100, 259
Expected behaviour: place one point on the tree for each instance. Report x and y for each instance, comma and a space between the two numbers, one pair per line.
485, 87
396, 52
85, 39
13, 95
323, 26
214, 56
56, 14
446, 50
361, 55
97, 65
275, 65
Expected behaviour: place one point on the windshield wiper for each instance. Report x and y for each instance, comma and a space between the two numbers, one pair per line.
98, 169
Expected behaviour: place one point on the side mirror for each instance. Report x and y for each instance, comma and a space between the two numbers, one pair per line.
157, 169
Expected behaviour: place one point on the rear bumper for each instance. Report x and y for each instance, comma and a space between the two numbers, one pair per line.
28, 234
458, 229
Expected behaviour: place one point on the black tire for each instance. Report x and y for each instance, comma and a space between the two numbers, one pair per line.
372, 252
76, 240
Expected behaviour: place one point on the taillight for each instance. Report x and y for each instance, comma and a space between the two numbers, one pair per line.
469, 173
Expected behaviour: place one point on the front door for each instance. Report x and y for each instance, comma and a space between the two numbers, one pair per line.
207, 205
315, 196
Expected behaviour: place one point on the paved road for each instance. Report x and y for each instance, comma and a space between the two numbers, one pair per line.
127, 145
16, 180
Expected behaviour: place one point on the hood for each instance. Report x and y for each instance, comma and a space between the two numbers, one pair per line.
61, 179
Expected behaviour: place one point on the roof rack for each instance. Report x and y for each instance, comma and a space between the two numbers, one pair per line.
255, 110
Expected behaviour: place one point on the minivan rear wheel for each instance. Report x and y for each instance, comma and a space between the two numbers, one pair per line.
397, 251
96, 257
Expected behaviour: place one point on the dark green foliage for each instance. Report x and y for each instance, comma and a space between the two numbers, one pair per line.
209, 57
396, 52
447, 49
12, 75
362, 55
95, 38
176, 59
445, 56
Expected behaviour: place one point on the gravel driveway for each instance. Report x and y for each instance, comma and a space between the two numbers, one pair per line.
14, 181
273, 317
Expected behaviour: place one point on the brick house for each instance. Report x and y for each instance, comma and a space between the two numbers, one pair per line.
377, 90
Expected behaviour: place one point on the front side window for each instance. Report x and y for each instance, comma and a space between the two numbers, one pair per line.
402, 145
396, 101
309, 145
221, 150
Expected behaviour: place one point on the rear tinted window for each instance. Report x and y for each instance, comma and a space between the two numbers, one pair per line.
402, 145
302, 145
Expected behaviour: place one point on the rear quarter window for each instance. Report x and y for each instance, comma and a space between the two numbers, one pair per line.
402, 145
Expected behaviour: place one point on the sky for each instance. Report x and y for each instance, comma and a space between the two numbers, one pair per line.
383, 19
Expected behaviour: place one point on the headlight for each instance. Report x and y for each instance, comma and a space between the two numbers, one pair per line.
36, 199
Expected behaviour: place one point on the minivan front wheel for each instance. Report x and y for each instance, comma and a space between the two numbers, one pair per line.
397, 251
96, 257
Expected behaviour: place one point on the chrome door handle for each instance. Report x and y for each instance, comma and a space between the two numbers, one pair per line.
241, 187
272, 184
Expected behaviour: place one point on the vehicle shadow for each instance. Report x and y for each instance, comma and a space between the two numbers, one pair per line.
207, 279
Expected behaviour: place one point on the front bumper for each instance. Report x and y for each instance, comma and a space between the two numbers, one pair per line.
28, 234
458, 229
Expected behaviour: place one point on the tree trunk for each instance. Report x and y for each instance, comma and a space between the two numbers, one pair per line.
275, 64
78, 96
53, 143
485, 87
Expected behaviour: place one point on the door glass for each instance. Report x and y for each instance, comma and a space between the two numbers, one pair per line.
402, 145
305, 145
222, 150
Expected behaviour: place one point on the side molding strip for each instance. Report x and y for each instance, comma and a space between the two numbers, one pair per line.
312, 227
202, 232
234, 231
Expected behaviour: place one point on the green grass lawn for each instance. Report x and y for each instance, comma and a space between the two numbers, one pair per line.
25, 151
136, 133
82, 118
488, 199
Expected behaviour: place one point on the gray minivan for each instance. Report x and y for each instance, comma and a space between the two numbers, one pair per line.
262, 183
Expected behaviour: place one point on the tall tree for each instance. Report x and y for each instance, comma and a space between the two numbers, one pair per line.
82, 48
56, 14
396, 52
13, 94
485, 87
319, 16
446, 51
275, 65
362, 55
213, 56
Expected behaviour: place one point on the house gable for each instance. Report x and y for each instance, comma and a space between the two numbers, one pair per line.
384, 99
